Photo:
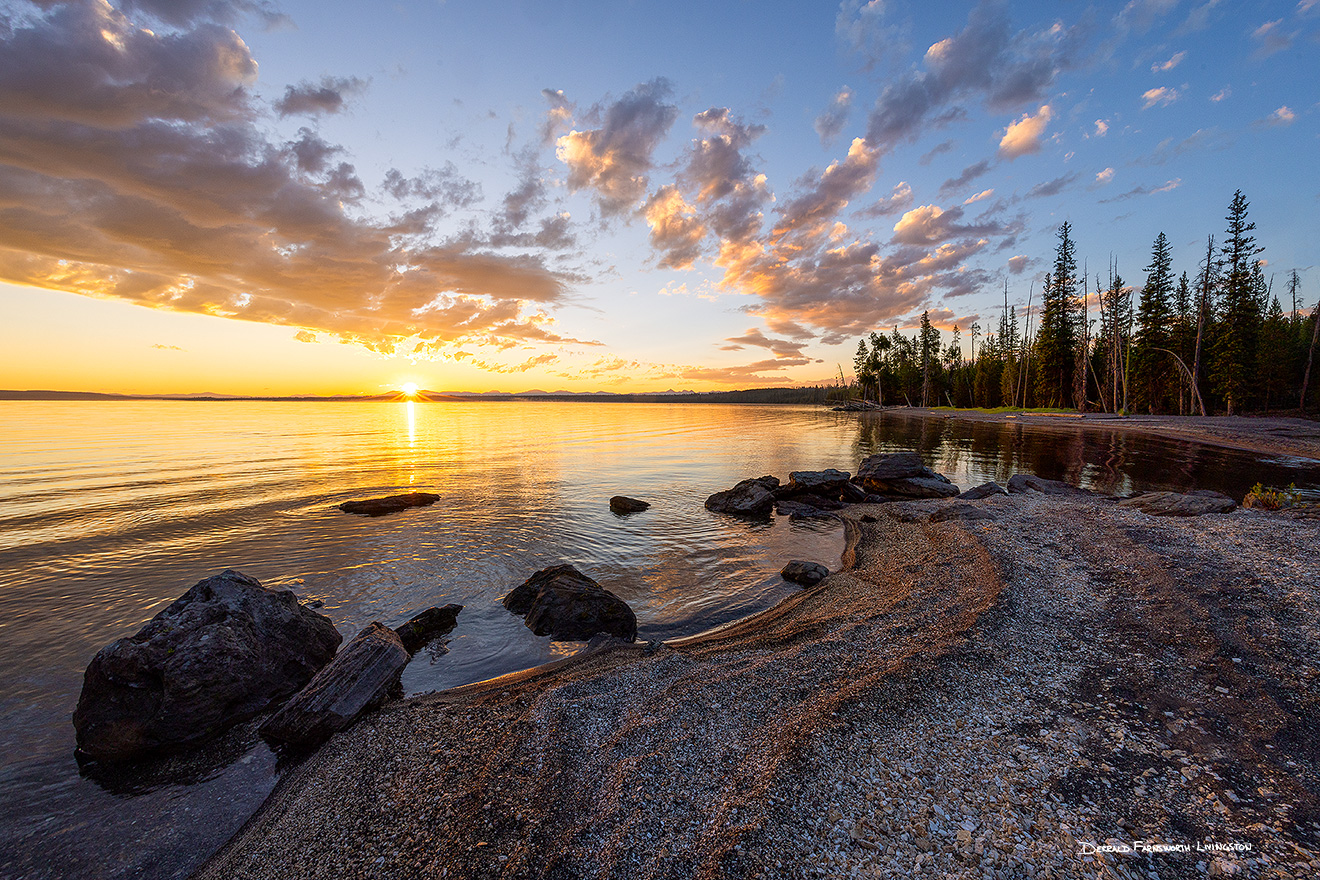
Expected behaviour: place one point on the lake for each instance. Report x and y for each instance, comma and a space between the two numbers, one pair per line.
111, 510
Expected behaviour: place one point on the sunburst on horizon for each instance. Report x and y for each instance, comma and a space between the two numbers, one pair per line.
409, 389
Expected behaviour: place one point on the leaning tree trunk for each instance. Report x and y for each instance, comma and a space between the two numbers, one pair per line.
1310, 355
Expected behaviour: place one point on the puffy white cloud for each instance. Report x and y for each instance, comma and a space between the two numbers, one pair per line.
1104, 176
1024, 135
1162, 96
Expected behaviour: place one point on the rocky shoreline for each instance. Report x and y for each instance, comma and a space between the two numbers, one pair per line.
1004, 694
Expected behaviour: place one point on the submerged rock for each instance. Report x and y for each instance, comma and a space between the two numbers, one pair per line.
624, 504
358, 679
902, 475
427, 626
221, 653
389, 504
564, 603
808, 574
1020, 484
1180, 504
751, 497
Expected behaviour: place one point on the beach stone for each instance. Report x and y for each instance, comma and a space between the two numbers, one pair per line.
902, 475
390, 504
357, 680
1180, 504
427, 626
564, 603
808, 574
985, 490
751, 497
1020, 484
221, 653
828, 482
624, 504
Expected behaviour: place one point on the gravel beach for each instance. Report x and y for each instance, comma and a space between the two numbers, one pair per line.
1037, 686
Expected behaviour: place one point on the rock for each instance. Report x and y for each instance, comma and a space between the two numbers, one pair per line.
748, 498
221, 653
827, 483
1179, 504
358, 679
852, 493
427, 626
564, 603
390, 504
961, 511
808, 574
985, 490
623, 504
1020, 484
902, 475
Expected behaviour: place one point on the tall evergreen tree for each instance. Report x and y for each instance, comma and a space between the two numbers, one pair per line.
1238, 337
929, 343
1056, 337
1150, 366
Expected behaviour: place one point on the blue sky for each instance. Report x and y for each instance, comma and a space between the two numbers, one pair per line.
244, 197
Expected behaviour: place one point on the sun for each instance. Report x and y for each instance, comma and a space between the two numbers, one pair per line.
409, 389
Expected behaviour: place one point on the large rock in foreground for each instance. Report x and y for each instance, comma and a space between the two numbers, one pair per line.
902, 475
1179, 504
752, 497
358, 679
389, 504
219, 654
564, 603
828, 483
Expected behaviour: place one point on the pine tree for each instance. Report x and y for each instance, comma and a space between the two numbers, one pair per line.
1236, 345
1275, 351
1150, 366
929, 343
1056, 338
1184, 333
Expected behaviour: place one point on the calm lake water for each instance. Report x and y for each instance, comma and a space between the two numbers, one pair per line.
111, 510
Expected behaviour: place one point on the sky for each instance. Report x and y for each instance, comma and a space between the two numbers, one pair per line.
288, 197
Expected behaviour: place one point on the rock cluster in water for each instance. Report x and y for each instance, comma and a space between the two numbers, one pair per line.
221, 653
565, 604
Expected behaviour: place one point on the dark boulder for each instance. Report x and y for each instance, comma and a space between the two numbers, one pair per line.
1020, 484
221, 653
985, 490
390, 504
828, 483
808, 574
852, 493
427, 626
359, 679
748, 498
565, 604
623, 504
902, 475
1179, 504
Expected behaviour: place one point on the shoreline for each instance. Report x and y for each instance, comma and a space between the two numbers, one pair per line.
1267, 435
966, 696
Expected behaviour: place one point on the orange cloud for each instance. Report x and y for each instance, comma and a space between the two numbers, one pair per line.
1024, 136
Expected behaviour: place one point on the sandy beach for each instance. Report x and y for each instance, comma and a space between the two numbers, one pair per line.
1004, 693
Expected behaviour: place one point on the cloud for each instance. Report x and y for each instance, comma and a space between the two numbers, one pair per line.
182, 13
1141, 15
942, 147
716, 165
1162, 66
1201, 140
983, 194
305, 336
1199, 18
444, 186
898, 200
861, 29
985, 60
810, 212
1104, 177
539, 360
676, 232
1162, 96
1220, 95
136, 165
559, 117
161, 347
1018, 264
929, 224
970, 173
1167, 186
314, 99
613, 161
1101, 128
1281, 117
782, 348
1271, 37
1052, 187
1023, 136
829, 125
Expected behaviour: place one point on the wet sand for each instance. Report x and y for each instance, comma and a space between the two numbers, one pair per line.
995, 695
